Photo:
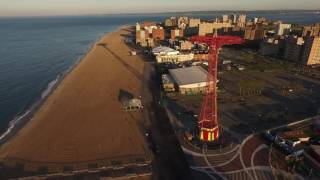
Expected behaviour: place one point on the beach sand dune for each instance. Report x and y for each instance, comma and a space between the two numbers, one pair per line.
83, 120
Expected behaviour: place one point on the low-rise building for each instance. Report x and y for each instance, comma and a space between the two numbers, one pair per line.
201, 57
164, 51
168, 83
185, 45
191, 80
177, 58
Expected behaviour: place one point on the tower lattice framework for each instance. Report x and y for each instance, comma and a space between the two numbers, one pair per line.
208, 118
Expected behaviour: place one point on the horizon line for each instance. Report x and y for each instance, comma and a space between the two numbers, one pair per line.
150, 13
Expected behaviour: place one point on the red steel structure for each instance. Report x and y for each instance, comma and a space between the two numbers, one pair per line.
208, 119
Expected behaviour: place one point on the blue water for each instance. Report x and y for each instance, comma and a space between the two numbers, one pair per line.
35, 51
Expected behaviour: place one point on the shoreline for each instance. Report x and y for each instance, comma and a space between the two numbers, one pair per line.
72, 118
25, 116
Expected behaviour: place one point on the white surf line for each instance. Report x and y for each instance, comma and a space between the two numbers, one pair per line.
262, 146
241, 158
210, 166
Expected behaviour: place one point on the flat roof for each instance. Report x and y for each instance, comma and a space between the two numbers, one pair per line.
189, 75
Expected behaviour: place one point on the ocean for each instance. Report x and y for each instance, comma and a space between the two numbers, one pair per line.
35, 52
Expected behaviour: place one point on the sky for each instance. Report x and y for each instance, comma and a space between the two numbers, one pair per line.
84, 7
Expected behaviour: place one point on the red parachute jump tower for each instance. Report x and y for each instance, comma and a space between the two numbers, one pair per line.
208, 118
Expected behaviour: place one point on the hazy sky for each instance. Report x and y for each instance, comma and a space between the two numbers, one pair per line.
75, 7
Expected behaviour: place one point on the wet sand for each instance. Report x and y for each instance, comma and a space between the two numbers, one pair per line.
83, 120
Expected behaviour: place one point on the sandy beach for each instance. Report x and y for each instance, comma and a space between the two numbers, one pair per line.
83, 120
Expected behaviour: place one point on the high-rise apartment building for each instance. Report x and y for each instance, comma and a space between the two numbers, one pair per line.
293, 48
242, 20
254, 33
171, 22
311, 52
283, 29
194, 22
176, 33
183, 22
311, 30
209, 28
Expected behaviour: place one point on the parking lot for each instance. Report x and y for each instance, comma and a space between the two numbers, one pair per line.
262, 96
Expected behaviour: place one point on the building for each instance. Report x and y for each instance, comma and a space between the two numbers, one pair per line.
174, 58
132, 105
158, 33
209, 28
141, 36
253, 33
225, 18
171, 22
167, 83
242, 20
194, 22
293, 48
183, 22
283, 29
191, 80
201, 57
269, 47
162, 50
185, 45
176, 33
147, 33
311, 30
311, 52
233, 18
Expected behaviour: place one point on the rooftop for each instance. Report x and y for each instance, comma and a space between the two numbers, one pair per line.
163, 50
190, 75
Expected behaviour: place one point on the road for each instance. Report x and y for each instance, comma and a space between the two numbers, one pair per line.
249, 160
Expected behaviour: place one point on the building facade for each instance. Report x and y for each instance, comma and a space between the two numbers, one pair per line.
171, 22
242, 20
269, 47
252, 33
176, 33
311, 30
311, 52
209, 28
194, 22
176, 58
158, 34
283, 29
293, 48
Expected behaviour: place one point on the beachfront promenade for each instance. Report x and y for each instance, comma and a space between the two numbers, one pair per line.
82, 124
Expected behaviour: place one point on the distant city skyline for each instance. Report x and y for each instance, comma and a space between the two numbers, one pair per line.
86, 7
